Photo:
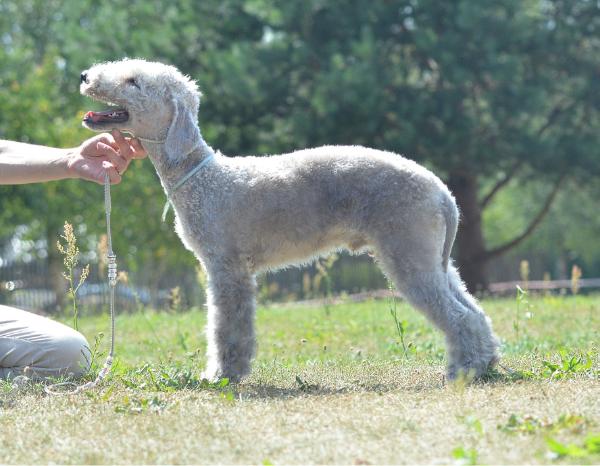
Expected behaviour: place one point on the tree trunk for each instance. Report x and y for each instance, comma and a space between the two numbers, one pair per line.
470, 243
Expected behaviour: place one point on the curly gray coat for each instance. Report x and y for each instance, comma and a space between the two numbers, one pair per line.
243, 215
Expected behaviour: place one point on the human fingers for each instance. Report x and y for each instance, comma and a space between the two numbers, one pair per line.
138, 150
119, 162
108, 139
88, 147
124, 148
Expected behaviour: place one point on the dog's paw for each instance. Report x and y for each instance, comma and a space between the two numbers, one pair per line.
216, 376
470, 370
211, 376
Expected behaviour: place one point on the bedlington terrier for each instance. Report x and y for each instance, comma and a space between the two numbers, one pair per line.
243, 215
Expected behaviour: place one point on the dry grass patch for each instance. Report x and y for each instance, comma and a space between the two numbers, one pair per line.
335, 388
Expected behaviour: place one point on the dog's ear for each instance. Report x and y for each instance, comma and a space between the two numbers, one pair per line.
183, 134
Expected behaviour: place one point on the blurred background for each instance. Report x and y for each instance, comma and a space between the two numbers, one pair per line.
500, 98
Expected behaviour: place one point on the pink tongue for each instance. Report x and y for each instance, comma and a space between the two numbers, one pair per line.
117, 116
91, 116
98, 116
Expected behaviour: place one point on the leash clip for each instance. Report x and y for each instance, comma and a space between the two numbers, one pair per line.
112, 269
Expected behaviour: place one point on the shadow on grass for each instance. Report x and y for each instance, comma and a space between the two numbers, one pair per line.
433, 383
273, 382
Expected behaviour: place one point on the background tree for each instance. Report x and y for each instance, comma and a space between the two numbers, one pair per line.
490, 94
485, 92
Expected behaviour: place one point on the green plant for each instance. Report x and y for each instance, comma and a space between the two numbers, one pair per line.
465, 455
323, 275
96, 353
531, 424
139, 405
169, 378
474, 424
526, 424
401, 325
591, 446
568, 364
182, 339
304, 386
202, 280
175, 299
524, 272
521, 301
70, 251
575, 278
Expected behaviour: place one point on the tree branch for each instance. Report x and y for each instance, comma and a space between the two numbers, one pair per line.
555, 113
551, 120
500, 184
532, 226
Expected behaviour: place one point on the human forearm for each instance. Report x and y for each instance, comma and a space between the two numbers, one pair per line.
27, 163
95, 158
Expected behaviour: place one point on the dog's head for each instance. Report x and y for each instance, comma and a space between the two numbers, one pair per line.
147, 99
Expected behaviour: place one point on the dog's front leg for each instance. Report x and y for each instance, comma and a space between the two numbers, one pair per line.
230, 327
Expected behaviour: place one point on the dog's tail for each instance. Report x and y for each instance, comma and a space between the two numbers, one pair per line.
451, 215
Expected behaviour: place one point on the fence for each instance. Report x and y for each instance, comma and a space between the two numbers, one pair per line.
504, 288
28, 285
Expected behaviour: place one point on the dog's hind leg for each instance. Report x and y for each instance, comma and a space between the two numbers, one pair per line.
440, 295
230, 326
489, 344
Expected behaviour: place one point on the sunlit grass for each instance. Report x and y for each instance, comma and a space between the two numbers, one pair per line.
295, 334
331, 385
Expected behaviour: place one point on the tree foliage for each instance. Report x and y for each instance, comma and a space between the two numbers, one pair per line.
484, 92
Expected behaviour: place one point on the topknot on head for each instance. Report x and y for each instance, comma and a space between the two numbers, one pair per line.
160, 77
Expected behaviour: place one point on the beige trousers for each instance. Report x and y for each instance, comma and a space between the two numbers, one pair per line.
38, 347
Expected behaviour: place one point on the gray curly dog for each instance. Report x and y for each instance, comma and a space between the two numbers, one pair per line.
243, 215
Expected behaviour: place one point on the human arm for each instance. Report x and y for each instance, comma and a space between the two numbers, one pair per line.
22, 163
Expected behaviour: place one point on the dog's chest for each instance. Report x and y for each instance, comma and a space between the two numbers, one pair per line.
188, 226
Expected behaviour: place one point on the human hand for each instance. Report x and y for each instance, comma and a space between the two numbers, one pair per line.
105, 153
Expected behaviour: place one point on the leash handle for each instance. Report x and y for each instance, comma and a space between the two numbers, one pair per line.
55, 389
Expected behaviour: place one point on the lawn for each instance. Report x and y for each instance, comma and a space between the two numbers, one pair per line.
344, 383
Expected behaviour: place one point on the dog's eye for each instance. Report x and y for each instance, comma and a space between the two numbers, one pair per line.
132, 82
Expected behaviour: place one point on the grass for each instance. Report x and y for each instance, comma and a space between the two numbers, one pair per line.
335, 385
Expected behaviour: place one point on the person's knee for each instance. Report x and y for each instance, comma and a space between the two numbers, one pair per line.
40, 348
71, 356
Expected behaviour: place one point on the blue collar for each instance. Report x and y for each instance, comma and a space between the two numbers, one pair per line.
182, 181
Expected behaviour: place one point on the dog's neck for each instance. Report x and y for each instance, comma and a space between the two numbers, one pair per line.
169, 171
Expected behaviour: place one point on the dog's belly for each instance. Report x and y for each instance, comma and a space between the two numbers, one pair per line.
275, 249
284, 252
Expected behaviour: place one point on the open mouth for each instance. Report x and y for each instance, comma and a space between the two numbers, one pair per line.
113, 115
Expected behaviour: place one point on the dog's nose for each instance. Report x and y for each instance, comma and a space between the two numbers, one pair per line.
83, 77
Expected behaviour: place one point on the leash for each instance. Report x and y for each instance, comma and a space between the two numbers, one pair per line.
181, 182
187, 176
508, 370
54, 389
